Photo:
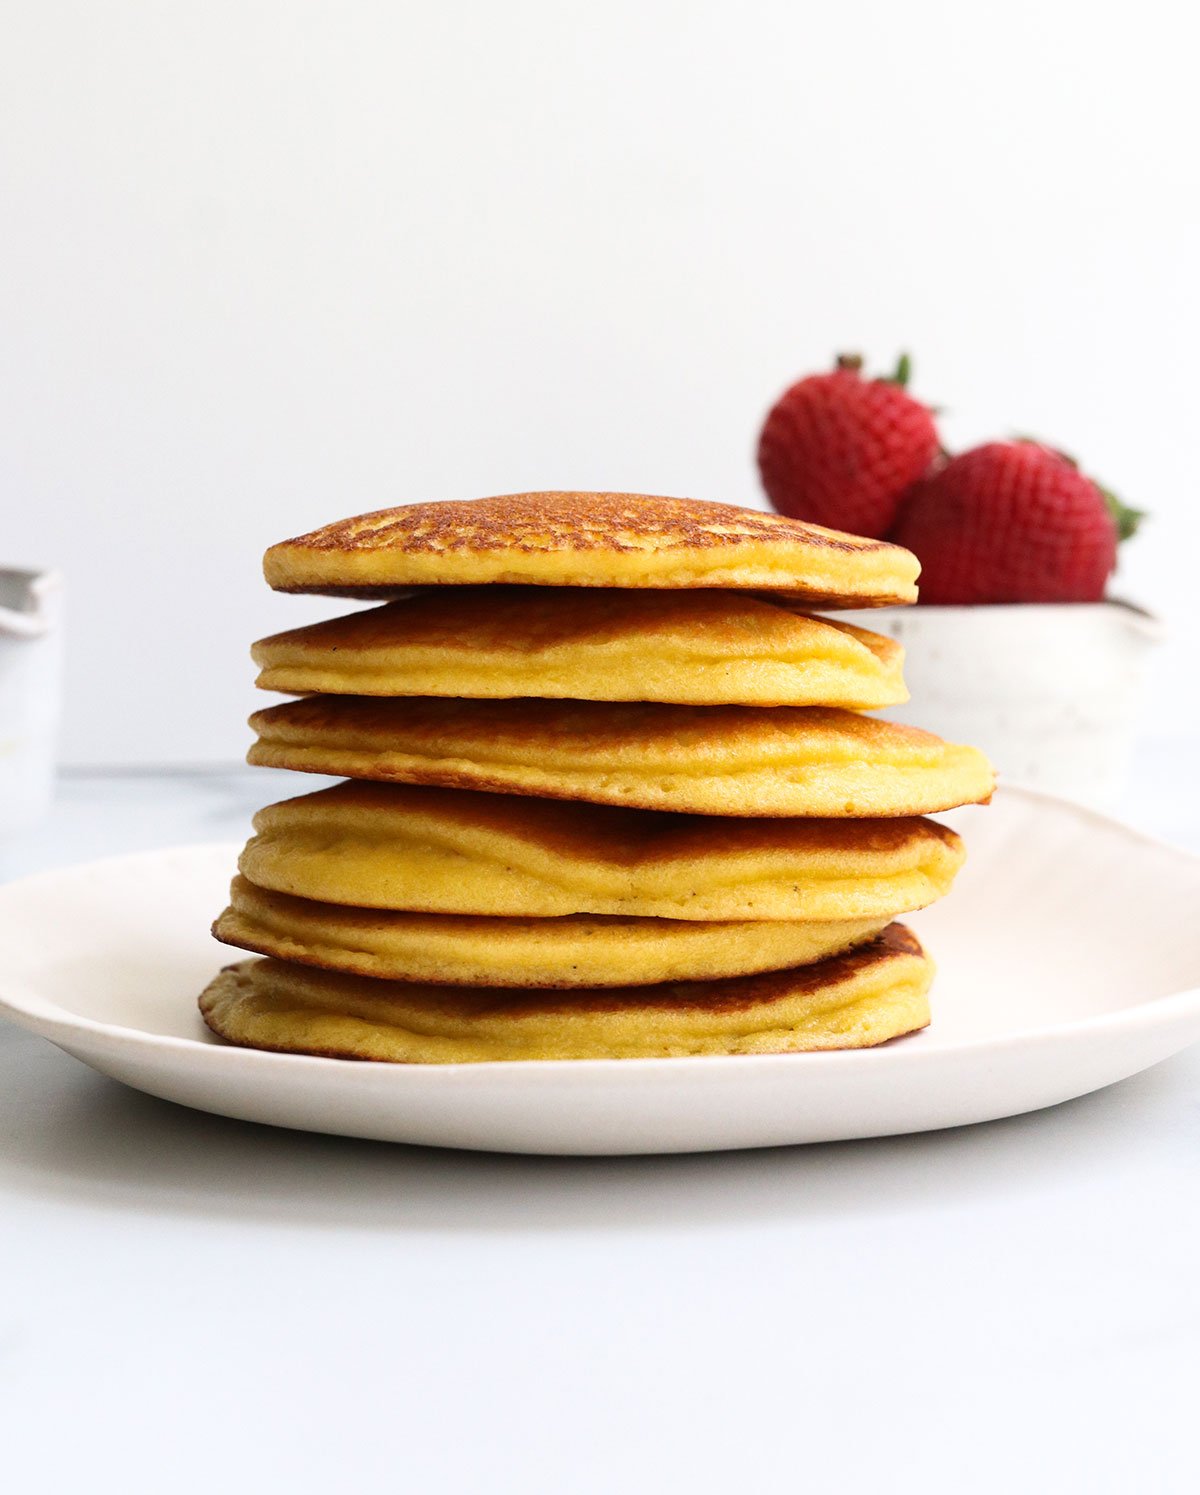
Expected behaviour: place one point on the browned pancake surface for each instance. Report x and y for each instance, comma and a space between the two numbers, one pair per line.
590, 539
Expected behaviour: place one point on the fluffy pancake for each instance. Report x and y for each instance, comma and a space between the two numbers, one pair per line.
849, 1001
577, 950
591, 540
707, 760
447, 852
702, 648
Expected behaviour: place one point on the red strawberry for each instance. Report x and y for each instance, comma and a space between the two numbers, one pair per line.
841, 450
1012, 521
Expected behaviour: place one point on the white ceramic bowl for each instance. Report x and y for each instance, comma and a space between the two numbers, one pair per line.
1051, 692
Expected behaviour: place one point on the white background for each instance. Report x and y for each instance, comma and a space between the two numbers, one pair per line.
263, 265
266, 264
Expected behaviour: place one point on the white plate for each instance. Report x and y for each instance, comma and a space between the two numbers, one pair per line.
1069, 957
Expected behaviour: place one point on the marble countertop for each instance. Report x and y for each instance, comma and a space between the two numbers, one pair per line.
191, 1303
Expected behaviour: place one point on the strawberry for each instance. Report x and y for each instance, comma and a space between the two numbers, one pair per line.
1012, 521
841, 450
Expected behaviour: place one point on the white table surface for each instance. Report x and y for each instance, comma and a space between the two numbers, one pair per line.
194, 1304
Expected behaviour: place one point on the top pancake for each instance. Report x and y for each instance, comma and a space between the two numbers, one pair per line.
591, 540
589, 644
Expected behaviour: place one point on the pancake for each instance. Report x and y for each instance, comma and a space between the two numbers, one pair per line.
699, 648
849, 1001
707, 760
447, 852
591, 540
578, 950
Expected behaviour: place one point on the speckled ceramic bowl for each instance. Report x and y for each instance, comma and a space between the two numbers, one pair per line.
1051, 692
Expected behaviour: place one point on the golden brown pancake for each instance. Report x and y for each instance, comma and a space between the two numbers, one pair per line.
875, 993
591, 540
578, 950
589, 644
448, 852
706, 760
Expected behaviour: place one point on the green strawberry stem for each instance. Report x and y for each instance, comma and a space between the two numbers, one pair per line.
852, 363
903, 371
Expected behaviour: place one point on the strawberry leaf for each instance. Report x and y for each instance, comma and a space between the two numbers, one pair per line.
1126, 519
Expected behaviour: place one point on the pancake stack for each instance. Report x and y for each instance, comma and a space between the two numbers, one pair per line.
609, 791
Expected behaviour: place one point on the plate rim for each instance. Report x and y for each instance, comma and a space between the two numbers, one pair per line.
58, 1024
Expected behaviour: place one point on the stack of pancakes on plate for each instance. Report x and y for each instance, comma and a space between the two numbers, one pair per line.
609, 794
